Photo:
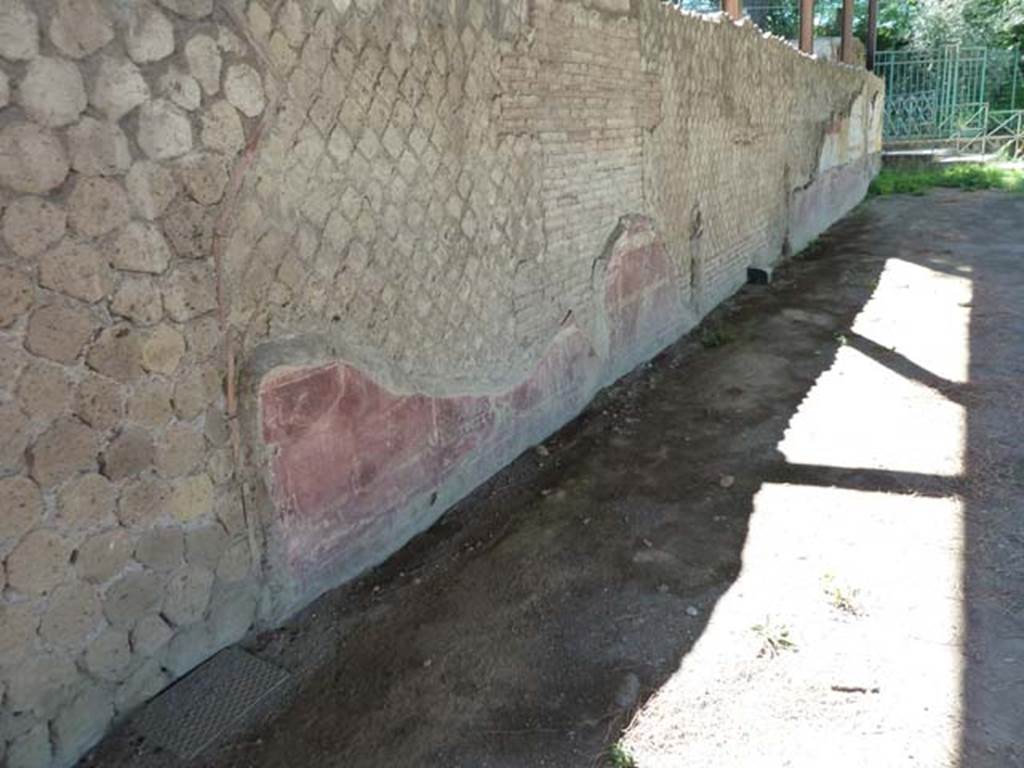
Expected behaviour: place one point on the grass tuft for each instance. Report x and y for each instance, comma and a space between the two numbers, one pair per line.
775, 638
841, 597
620, 757
895, 181
714, 335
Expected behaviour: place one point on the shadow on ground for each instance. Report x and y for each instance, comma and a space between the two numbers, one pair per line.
528, 626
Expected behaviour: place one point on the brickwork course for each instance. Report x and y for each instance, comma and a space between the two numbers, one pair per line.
281, 281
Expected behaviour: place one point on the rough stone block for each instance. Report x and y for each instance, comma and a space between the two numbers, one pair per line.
59, 333
180, 451
181, 88
31, 225
19, 31
150, 35
42, 683
117, 353
191, 498
190, 9
150, 635
20, 622
130, 453
97, 206
189, 647
16, 294
150, 403
190, 291
80, 27
77, 268
99, 402
244, 90
189, 226
15, 429
98, 148
39, 563
81, 723
109, 656
205, 176
131, 597
204, 62
104, 555
188, 595
161, 549
143, 501
140, 247
118, 88
86, 502
162, 350
232, 615
73, 612
31, 159
151, 188
52, 92
12, 359
23, 507
205, 545
222, 129
30, 749
5, 99
145, 683
190, 396
66, 447
138, 299
44, 390
235, 563
165, 131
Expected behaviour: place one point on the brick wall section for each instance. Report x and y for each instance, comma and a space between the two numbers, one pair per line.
394, 243
580, 89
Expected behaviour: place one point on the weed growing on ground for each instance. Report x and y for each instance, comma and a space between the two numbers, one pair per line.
715, 335
620, 757
774, 638
840, 597
891, 181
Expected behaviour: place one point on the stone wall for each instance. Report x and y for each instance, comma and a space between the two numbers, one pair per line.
281, 281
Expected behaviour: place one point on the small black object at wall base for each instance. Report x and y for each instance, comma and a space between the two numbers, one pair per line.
759, 275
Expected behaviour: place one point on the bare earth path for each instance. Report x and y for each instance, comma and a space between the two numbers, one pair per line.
803, 546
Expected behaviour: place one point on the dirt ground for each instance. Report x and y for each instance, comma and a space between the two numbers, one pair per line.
795, 538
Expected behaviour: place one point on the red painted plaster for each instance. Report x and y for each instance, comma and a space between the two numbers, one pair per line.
349, 456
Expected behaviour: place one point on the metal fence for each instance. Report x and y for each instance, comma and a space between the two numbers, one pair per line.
948, 93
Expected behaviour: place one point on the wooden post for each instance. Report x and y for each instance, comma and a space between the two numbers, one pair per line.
846, 46
807, 26
732, 8
872, 43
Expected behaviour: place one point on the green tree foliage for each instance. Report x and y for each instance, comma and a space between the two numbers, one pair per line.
895, 23
902, 23
989, 23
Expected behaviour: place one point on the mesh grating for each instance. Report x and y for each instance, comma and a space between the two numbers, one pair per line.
217, 697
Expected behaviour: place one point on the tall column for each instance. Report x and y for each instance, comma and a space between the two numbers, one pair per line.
732, 8
872, 42
846, 51
807, 26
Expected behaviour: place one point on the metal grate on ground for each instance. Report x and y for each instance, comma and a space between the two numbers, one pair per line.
221, 696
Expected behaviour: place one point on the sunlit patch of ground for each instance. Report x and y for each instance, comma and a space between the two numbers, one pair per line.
840, 644
861, 414
866, 588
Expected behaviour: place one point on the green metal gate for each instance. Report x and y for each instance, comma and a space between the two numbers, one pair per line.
947, 93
